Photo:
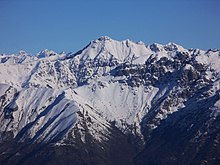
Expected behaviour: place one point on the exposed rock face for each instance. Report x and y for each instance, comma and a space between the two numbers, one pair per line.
111, 103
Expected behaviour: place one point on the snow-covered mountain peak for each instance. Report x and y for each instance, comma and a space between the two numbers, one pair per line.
140, 43
21, 57
46, 53
106, 49
104, 38
170, 47
173, 47
155, 47
23, 53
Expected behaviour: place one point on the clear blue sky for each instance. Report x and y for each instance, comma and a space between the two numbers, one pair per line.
68, 25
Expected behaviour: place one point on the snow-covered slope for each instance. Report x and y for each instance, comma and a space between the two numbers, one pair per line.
130, 85
41, 114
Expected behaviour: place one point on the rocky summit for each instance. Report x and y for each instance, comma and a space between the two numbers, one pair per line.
111, 103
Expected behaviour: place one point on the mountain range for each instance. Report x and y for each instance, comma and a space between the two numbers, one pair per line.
111, 103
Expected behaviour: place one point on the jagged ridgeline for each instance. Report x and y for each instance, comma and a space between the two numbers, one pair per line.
112, 103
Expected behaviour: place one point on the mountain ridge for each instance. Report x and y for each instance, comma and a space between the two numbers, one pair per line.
100, 39
110, 89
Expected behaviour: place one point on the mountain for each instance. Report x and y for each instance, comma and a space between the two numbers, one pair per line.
113, 102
